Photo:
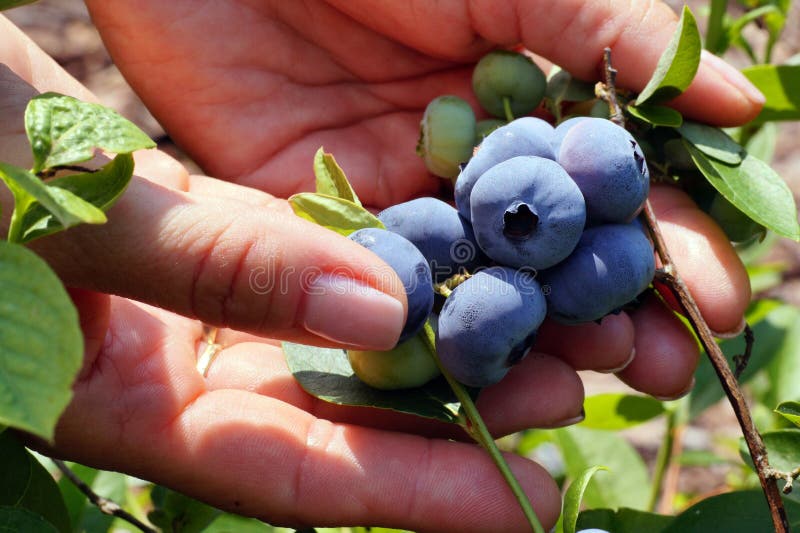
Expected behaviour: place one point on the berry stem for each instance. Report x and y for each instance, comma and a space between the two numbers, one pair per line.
476, 428
507, 109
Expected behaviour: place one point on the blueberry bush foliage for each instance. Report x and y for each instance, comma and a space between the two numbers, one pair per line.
608, 483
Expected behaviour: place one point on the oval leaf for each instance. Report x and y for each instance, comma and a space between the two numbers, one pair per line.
331, 179
678, 63
623, 520
755, 189
783, 449
28, 189
325, 373
27, 485
713, 142
614, 411
341, 216
23, 521
41, 344
627, 485
573, 497
657, 115
101, 189
63, 130
734, 512
790, 411
780, 84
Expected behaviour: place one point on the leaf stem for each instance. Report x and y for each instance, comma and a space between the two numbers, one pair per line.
476, 428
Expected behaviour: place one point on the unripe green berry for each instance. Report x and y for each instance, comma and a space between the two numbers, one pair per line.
406, 366
487, 126
447, 135
505, 75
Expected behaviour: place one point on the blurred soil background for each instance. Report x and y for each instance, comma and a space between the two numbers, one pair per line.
65, 31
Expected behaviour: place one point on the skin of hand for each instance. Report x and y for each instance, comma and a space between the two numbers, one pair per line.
251, 90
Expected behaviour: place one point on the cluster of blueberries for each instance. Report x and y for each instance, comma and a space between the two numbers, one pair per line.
544, 225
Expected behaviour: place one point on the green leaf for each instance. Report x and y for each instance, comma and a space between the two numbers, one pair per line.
573, 497
325, 373
769, 320
716, 42
783, 449
755, 189
67, 208
562, 87
712, 142
341, 216
331, 179
790, 411
780, 84
41, 344
101, 189
232, 523
657, 115
784, 368
63, 130
27, 485
678, 63
17, 520
733, 512
613, 411
765, 276
627, 484
8, 4
623, 520
762, 143
179, 513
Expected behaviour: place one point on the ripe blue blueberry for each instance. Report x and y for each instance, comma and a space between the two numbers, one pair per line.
561, 130
443, 236
411, 267
611, 265
524, 136
609, 167
527, 211
488, 324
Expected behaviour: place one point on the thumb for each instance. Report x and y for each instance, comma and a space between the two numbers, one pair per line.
238, 264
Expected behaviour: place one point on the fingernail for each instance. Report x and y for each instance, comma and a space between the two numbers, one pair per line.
352, 313
678, 396
731, 334
730, 74
623, 366
567, 422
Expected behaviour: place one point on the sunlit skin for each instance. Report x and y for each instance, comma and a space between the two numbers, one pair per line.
250, 90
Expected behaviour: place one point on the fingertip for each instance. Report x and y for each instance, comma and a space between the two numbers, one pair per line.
666, 352
720, 94
704, 257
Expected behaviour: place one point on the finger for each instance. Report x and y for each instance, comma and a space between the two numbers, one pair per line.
147, 410
573, 34
604, 347
506, 407
231, 264
666, 352
378, 477
704, 258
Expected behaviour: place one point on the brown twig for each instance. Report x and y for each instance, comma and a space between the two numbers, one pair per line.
755, 444
670, 277
105, 505
742, 360
788, 477
608, 91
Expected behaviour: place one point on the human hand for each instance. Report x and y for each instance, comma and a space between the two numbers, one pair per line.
236, 421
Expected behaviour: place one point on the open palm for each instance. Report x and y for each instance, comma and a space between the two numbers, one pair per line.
251, 89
